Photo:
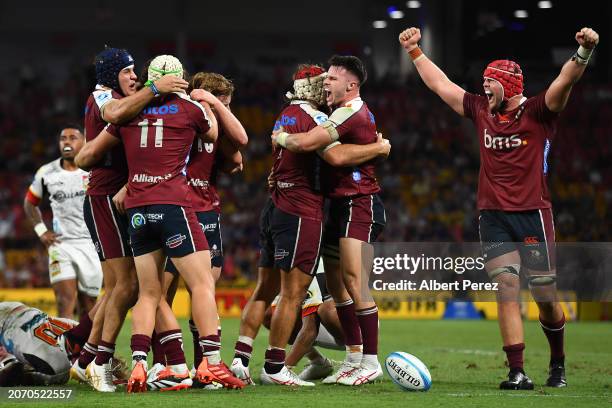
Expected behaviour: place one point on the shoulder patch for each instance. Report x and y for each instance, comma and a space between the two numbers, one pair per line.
102, 97
316, 115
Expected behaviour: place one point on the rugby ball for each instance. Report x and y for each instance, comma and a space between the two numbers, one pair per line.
408, 372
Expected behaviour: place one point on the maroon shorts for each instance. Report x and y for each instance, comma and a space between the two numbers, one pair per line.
108, 228
288, 241
360, 217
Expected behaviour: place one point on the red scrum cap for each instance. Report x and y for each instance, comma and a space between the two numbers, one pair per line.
508, 74
308, 84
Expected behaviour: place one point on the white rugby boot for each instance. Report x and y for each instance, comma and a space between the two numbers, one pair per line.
318, 370
77, 373
366, 373
241, 371
284, 377
101, 376
345, 369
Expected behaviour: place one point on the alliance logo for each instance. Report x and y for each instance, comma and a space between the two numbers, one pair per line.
502, 142
138, 220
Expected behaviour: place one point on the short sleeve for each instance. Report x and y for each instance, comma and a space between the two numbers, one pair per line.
540, 111
36, 190
472, 104
198, 115
102, 97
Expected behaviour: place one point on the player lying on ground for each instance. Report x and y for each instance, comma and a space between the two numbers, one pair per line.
33, 347
516, 222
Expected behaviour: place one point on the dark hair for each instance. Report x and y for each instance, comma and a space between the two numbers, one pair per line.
71, 125
351, 64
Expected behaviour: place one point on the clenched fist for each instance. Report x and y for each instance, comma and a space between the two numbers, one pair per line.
587, 37
409, 38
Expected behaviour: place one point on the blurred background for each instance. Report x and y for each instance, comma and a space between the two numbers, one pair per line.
429, 181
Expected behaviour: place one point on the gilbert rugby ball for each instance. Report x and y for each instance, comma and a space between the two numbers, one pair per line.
408, 372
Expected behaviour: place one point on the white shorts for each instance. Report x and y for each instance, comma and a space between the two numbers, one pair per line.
76, 259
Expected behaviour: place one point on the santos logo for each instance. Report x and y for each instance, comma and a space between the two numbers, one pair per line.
502, 142
161, 110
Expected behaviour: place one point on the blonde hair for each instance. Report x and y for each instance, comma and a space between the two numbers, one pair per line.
212, 82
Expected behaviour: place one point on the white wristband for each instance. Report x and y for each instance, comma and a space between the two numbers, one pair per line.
40, 228
583, 55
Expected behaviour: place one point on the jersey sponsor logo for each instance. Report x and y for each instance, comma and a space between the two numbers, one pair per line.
285, 121
161, 110
155, 217
284, 184
102, 97
175, 241
138, 220
145, 178
502, 142
320, 118
61, 196
356, 176
196, 182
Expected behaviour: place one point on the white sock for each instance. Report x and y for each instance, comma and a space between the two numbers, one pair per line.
246, 340
354, 354
179, 368
370, 361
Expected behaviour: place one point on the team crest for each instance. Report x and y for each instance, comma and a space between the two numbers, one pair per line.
175, 241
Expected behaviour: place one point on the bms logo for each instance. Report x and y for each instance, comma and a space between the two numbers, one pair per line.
502, 142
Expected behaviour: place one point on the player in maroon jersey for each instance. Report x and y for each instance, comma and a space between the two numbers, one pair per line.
356, 216
291, 228
516, 222
206, 159
114, 100
162, 221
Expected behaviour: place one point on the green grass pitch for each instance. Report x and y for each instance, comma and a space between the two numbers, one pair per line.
464, 358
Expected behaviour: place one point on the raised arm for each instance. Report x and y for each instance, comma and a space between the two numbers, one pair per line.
434, 77
94, 150
348, 155
559, 90
232, 128
118, 111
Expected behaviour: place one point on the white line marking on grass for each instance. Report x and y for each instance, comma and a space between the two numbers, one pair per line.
473, 351
501, 394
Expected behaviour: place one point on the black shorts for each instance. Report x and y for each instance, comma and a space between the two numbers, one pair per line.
361, 217
210, 223
108, 228
531, 232
173, 228
288, 241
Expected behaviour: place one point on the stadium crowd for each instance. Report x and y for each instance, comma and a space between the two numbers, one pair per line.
428, 182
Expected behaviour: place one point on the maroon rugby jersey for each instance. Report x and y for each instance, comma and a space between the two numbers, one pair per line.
355, 125
202, 175
295, 175
513, 153
157, 144
110, 175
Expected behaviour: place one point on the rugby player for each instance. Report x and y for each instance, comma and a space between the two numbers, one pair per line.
356, 216
73, 265
516, 221
162, 222
291, 228
114, 100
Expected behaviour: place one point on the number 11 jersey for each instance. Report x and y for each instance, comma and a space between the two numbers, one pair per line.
157, 144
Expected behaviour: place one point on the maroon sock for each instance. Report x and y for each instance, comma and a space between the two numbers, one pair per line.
87, 354
79, 333
243, 352
158, 349
172, 342
105, 352
514, 353
349, 322
554, 333
197, 349
275, 360
210, 344
140, 345
368, 322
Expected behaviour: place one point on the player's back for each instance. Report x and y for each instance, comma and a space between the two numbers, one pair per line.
107, 177
157, 144
36, 339
355, 124
296, 176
